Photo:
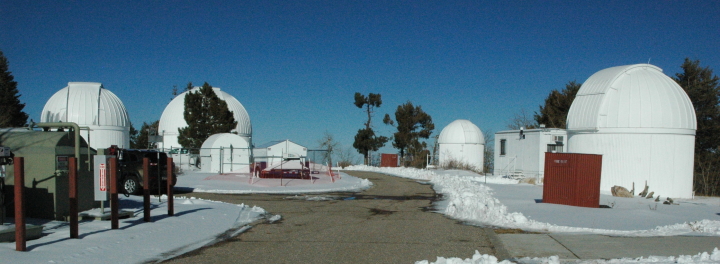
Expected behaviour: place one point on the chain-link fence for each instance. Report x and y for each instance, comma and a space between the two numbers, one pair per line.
215, 160
225, 160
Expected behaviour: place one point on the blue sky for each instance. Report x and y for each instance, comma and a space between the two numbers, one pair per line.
296, 65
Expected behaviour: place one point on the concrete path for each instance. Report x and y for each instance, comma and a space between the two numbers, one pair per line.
387, 223
587, 247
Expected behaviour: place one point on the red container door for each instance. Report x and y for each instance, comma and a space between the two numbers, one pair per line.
588, 169
559, 187
389, 160
572, 179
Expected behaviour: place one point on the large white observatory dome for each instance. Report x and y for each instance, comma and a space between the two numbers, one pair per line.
462, 141
172, 118
90, 105
631, 96
643, 124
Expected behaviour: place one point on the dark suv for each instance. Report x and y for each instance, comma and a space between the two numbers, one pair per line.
130, 163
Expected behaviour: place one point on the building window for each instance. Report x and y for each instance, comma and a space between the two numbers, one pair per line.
502, 147
554, 148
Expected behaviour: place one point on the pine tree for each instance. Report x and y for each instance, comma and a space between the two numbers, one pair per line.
141, 138
703, 90
702, 87
412, 124
206, 114
11, 110
557, 105
365, 139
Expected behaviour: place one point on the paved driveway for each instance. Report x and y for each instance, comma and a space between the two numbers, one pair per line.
388, 223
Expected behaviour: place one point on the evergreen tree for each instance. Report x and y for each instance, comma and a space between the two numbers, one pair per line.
703, 90
11, 110
365, 139
133, 136
174, 92
412, 124
206, 114
557, 105
702, 87
141, 140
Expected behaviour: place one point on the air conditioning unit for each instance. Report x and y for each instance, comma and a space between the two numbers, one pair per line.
558, 138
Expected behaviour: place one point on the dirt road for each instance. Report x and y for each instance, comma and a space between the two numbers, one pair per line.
388, 223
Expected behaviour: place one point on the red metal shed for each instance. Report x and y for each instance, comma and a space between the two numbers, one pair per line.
389, 160
572, 179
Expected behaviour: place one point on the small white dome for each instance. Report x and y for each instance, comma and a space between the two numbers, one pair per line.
631, 96
88, 104
173, 117
461, 131
218, 156
225, 140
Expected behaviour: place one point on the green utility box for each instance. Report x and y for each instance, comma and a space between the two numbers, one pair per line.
47, 157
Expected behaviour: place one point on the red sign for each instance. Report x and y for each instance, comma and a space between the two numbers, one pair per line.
103, 178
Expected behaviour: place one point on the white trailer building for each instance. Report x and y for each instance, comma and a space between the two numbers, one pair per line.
275, 151
643, 124
521, 153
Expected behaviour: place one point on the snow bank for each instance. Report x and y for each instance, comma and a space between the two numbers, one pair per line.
477, 258
468, 198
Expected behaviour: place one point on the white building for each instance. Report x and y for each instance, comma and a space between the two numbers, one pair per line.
643, 124
275, 151
225, 152
462, 141
522, 154
173, 118
90, 105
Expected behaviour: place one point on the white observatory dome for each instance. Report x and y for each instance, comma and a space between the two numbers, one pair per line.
90, 105
462, 141
642, 122
631, 96
461, 131
225, 152
173, 118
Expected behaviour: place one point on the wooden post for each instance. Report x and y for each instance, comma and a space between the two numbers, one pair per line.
146, 189
72, 175
19, 204
170, 178
114, 202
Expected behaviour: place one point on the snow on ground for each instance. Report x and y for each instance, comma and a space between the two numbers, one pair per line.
501, 202
196, 223
478, 258
238, 183
480, 200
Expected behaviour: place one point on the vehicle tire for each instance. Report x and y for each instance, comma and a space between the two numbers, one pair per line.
131, 184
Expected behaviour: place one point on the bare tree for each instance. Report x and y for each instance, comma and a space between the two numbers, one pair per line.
327, 142
346, 157
489, 155
522, 119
